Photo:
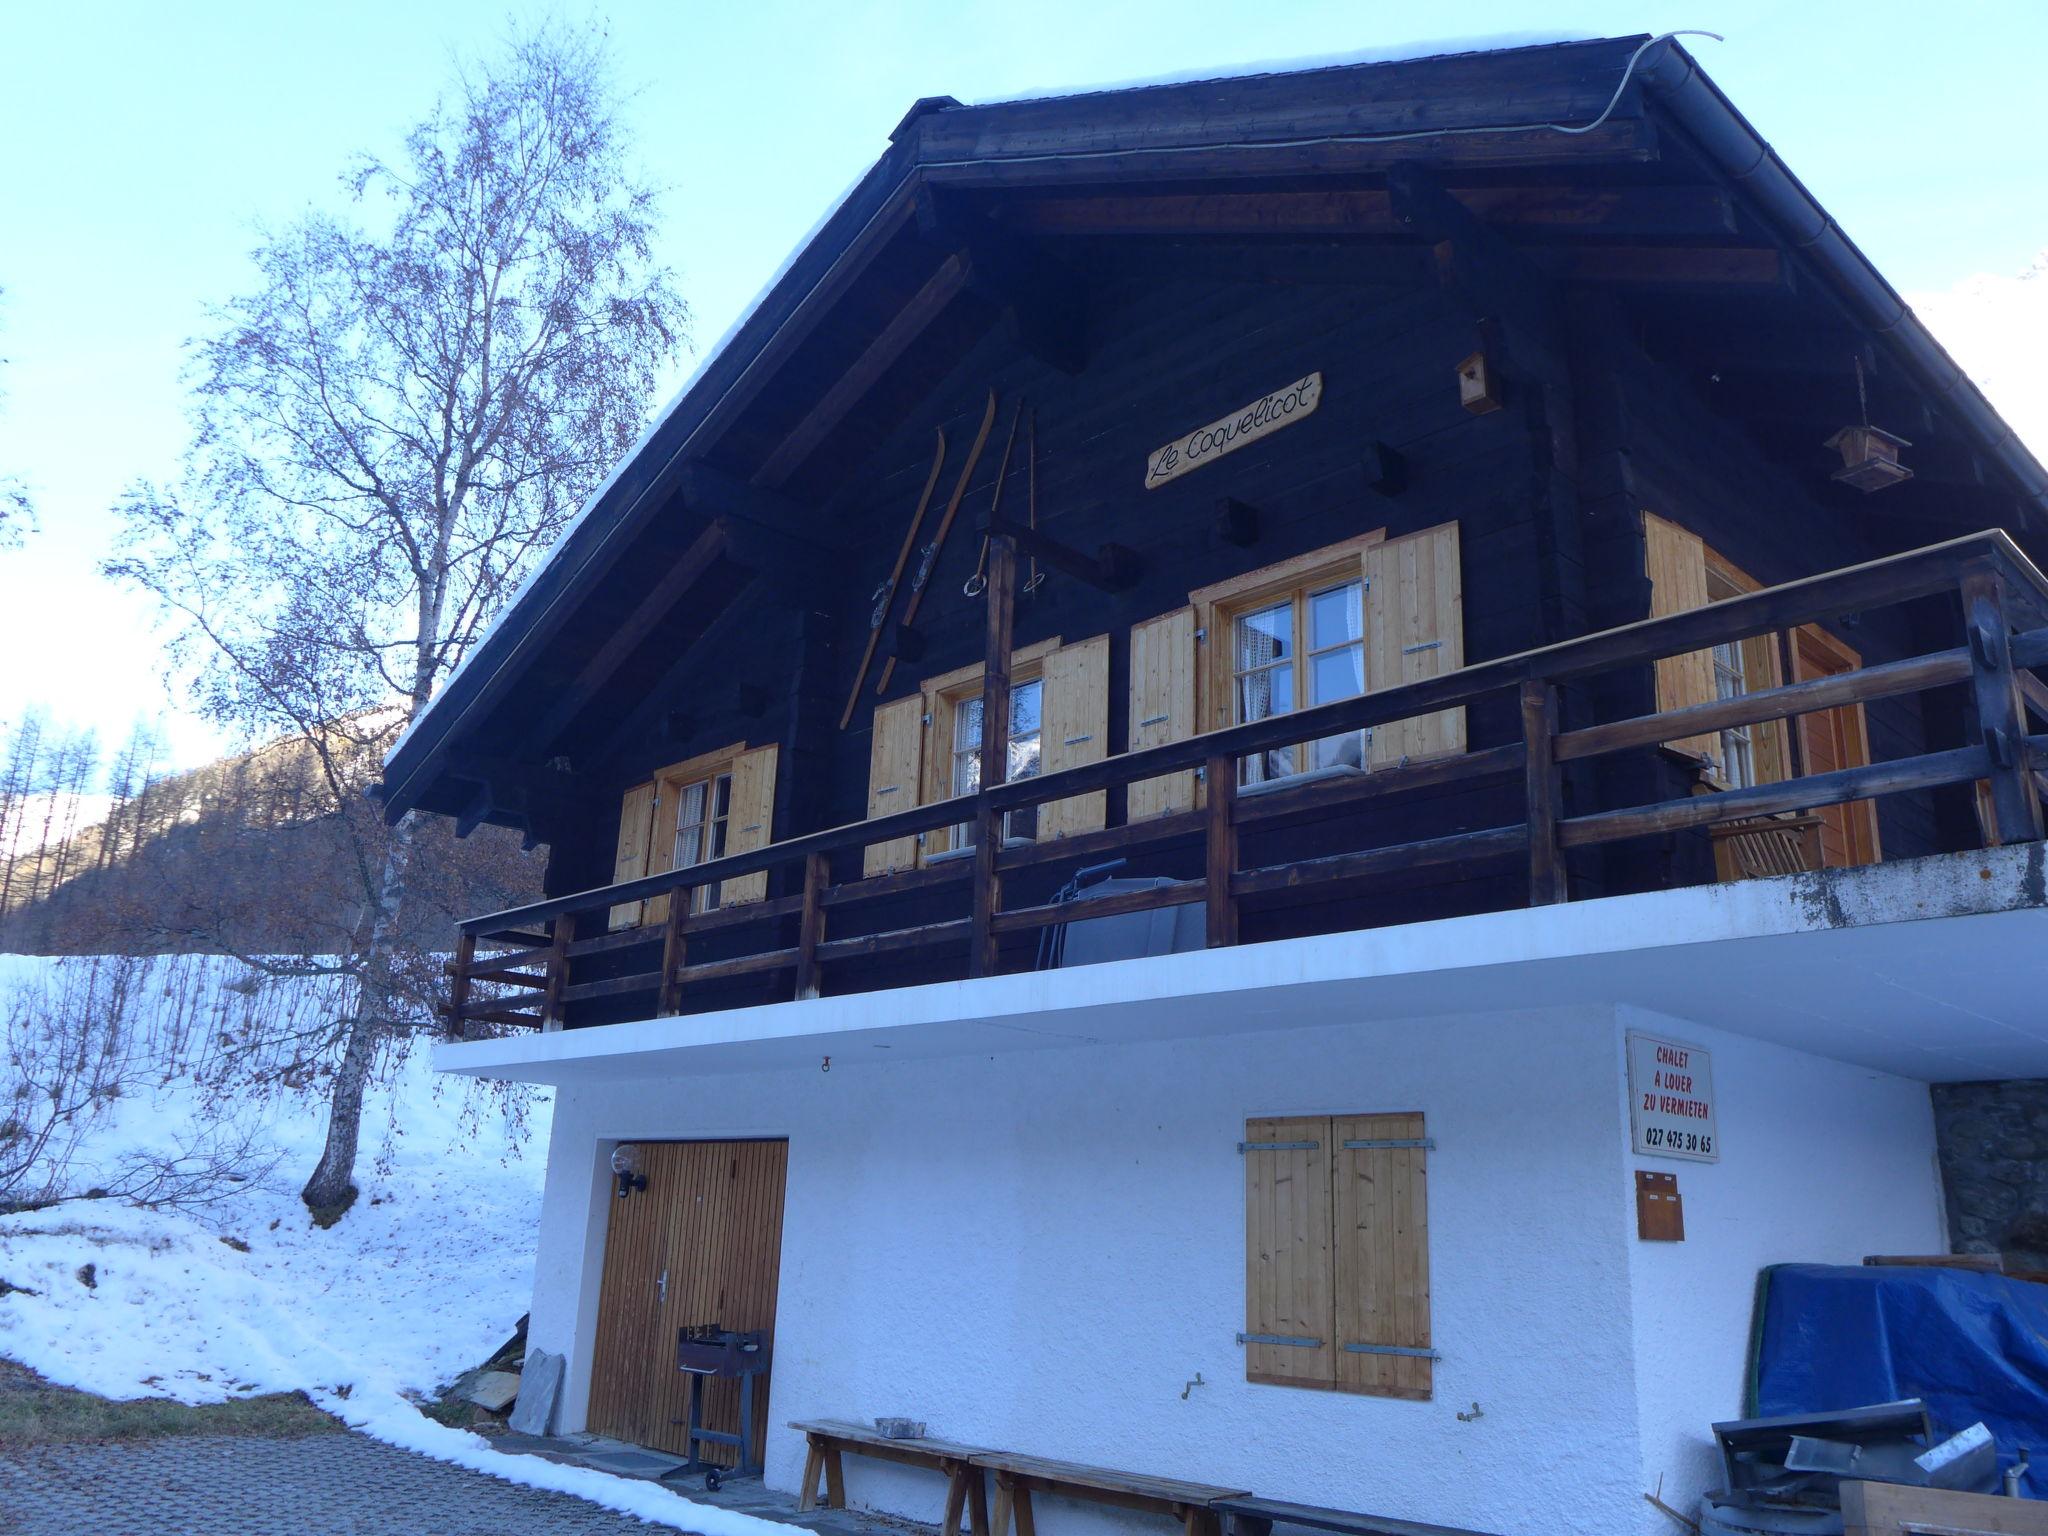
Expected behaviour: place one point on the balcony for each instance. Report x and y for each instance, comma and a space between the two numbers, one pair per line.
826, 929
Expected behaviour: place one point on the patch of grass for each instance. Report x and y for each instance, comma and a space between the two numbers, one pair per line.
36, 1412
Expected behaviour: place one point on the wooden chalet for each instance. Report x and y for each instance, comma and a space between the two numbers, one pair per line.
1386, 556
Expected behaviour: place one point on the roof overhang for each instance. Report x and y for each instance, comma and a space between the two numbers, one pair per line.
1478, 116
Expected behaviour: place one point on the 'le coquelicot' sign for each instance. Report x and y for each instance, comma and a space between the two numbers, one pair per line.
1671, 1099
1280, 409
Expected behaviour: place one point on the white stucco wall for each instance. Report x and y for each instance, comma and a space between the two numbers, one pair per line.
1820, 1163
1041, 1251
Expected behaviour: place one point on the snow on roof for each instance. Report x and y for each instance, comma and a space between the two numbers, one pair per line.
1399, 53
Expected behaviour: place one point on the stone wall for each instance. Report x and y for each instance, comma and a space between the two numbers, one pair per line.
1993, 1143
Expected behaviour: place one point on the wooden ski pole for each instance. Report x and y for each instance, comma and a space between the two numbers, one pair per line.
885, 595
929, 562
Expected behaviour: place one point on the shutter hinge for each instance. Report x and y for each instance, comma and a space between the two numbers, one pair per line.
1278, 1146
1427, 645
1391, 1349
1202, 634
1153, 720
1427, 1143
755, 827
1292, 1341
1075, 741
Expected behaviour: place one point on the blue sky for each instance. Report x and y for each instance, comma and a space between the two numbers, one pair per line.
144, 143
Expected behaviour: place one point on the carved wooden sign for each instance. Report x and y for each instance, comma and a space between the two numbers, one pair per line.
1280, 409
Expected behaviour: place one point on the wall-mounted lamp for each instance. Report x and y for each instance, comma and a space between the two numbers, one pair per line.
626, 1164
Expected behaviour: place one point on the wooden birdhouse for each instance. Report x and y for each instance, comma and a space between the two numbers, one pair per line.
1477, 390
1870, 458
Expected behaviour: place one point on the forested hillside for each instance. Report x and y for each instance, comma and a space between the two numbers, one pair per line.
250, 854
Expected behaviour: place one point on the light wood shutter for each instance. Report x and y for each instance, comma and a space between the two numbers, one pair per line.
894, 758
1832, 739
1415, 629
1162, 708
636, 827
751, 822
1676, 562
1381, 1202
1287, 1273
1074, 729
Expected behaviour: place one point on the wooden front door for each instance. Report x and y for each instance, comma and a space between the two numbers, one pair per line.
701, 1244
1832, 739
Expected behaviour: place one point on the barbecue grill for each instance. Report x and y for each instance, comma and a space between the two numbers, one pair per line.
712, 1352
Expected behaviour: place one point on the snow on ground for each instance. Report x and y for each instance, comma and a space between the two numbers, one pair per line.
424, 1278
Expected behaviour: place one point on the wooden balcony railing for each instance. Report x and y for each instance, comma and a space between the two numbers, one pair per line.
526, 965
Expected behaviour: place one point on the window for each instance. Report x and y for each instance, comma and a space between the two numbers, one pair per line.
1367, 614
1687, 573
1337, 1254
927, 747
1318, 632
689, 813
1738, 744
703, 815
1025, 757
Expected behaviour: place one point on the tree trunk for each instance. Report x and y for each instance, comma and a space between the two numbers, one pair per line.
331, 1190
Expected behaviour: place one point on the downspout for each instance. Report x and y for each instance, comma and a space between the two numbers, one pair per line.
1676, 84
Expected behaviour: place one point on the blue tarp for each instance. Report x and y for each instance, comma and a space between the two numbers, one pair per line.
1972, 1346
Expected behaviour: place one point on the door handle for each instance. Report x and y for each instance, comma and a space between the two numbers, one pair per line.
661, 1287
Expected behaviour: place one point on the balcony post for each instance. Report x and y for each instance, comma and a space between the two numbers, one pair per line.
1540, 778
1221, 861
458, 979
995, 751
561, 934
675, 946
811, 924
2000, 717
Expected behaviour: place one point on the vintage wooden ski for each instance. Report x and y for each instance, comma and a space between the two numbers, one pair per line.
885, 595
930, 560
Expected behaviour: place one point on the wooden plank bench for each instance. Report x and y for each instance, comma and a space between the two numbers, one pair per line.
829, 1439
1017, 1477
1257, 1517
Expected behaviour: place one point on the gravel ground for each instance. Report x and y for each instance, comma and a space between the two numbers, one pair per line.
311, 1485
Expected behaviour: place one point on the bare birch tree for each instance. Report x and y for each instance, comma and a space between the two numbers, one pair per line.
17, 511
390, 426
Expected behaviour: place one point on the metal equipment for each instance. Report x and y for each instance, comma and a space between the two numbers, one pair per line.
709, 1351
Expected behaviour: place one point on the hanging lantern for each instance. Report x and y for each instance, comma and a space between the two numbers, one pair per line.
1870, 455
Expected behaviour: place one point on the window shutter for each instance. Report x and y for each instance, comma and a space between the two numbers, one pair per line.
894, 758
1676, 562
1832, 739
1074, 727
1415, 629
636, 826
1287, 1275
751, 822
1381, 1201
1162, 708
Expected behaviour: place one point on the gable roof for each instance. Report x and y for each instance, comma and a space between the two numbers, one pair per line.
1627, 114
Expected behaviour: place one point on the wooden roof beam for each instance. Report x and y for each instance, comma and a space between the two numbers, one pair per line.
1046, 302
634, 627
1669, 266
1732, 346
1662, 212
883, 353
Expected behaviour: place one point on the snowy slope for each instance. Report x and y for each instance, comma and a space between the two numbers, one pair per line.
424, 1278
